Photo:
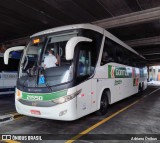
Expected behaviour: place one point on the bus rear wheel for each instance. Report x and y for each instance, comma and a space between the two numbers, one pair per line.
103, 104
141, 87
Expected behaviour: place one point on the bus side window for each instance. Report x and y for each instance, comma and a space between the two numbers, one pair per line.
84, 63
108, 52
119, 54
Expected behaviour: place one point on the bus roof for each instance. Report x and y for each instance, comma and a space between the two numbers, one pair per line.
68, 27
87, 26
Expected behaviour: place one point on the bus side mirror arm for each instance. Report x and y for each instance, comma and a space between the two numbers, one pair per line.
7, 52
71, 44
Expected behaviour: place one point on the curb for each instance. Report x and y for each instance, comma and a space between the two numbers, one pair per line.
8, 118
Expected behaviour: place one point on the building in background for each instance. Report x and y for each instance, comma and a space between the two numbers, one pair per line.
154, 73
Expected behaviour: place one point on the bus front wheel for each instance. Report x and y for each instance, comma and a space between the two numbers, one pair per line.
103, 104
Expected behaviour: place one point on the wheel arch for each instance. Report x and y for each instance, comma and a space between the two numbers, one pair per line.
108, 95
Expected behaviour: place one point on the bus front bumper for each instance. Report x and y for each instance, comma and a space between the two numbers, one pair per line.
66, 111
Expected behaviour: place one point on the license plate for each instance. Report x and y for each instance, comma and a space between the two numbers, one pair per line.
36, 112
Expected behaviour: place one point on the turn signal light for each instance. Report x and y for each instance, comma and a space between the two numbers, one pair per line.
18, 93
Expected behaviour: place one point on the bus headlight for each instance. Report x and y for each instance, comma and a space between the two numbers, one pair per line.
60, 100
66, 98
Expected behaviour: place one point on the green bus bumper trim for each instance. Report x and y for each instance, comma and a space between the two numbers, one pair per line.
43, 97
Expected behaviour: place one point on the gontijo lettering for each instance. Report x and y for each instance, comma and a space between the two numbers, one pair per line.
119, 72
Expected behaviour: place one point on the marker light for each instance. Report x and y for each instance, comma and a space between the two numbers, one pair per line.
66, 98
35, 41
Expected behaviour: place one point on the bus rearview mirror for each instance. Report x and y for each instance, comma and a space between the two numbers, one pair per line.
7, 52
71, 44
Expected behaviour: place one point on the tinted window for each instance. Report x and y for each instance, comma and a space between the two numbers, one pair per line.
114, 52
109, 50
96, 41
86, 61
13, 64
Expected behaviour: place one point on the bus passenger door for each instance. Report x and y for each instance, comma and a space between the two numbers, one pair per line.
94, 97
84, 99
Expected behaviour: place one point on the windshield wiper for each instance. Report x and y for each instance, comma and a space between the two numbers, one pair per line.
48, 86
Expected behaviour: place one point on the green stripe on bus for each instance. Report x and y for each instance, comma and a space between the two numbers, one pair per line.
44, 97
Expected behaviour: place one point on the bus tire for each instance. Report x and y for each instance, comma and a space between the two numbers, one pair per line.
104, 103
141, 87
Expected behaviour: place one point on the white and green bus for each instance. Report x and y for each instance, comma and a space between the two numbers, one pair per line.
94, 69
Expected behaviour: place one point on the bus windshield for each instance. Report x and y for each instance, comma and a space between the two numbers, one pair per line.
45, 56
